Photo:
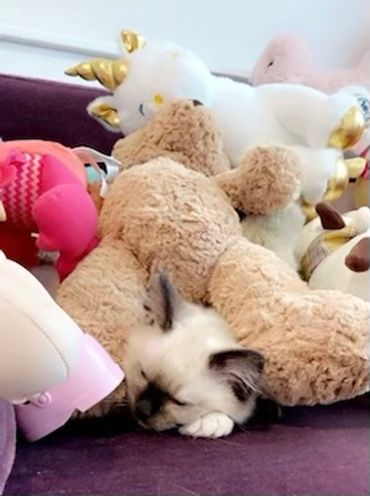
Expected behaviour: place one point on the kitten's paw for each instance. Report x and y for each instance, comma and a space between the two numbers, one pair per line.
213, 425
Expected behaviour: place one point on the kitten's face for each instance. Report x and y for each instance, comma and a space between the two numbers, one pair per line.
185, 364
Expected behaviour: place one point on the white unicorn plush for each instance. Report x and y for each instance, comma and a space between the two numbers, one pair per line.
317, 126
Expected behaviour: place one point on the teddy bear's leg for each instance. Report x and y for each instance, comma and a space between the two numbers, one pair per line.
317, 119
105, 297
67, 221
315, 343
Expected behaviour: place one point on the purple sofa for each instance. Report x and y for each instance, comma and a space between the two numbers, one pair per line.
302, 451
7, 441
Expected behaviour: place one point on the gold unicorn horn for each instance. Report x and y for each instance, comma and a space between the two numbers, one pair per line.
132, 41
109, 73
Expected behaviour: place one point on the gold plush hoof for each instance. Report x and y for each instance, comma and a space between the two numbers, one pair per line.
337, 184
355, 166
349, 131
309, 211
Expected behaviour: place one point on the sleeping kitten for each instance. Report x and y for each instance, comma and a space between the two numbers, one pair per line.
185, 370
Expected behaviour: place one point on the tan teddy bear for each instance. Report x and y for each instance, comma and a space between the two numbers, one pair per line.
184, 131
163, 216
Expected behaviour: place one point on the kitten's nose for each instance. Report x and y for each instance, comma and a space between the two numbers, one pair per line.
143, 410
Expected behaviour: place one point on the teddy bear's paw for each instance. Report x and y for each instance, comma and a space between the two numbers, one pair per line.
212, 425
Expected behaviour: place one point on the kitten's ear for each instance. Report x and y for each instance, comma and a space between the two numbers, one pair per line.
164, 301
241, 368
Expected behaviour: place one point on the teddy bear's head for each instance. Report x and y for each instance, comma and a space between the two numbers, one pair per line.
185, 131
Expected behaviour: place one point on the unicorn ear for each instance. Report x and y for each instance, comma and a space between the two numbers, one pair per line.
103, 110
131, 41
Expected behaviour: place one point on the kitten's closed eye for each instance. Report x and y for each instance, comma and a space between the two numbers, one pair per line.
165, 395
177, 402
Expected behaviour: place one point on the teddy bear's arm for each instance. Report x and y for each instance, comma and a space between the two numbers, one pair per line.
267, 180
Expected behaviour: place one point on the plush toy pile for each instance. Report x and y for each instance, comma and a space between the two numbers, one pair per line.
215, 176
164, 214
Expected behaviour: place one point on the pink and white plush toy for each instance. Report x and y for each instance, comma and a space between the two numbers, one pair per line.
290, 59
48, 366
44, 203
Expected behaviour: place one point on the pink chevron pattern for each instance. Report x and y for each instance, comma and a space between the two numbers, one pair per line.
20, 195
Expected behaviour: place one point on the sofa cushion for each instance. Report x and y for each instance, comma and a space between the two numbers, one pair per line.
34, 108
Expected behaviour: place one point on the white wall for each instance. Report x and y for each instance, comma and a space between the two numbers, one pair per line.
227, 34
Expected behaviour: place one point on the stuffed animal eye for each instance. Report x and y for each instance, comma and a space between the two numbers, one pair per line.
158, 99
271, 63
141, 109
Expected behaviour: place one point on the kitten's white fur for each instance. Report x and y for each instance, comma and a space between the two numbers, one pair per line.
178, 360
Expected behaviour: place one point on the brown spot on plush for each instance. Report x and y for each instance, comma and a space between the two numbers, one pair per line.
329, 216
358, 259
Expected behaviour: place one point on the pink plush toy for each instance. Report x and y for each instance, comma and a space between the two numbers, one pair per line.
289, 58
45, 203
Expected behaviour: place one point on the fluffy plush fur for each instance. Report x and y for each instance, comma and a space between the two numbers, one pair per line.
185, 369
279, 233
160, 215
186, 131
